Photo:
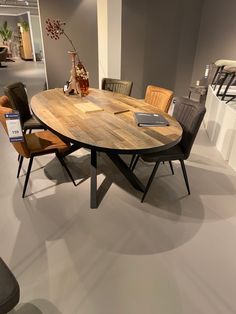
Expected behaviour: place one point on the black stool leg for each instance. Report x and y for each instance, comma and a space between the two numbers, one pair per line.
228, 86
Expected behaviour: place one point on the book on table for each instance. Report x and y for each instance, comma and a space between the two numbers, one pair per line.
150, 119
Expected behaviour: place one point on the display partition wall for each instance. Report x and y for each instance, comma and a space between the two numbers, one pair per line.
25, 41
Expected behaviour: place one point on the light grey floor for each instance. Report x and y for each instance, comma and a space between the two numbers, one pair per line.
173, 254
32, 74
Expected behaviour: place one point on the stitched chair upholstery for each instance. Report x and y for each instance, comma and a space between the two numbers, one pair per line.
9, 289
159, 97
117, 86
189, 114
36, 144
18, 99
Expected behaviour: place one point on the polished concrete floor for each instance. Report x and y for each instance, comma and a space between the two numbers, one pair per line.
173, 254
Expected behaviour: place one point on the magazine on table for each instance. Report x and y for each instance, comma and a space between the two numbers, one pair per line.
150, 119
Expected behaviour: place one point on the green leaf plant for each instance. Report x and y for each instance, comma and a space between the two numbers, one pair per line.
5, 33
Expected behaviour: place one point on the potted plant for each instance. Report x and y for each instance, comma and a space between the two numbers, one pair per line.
5, 33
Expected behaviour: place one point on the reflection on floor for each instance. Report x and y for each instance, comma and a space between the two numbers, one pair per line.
173, 254
32, 74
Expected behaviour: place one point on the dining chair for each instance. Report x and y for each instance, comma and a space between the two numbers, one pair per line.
159, 97
117, 86
18, 99
9, 289
189, 114
36, 144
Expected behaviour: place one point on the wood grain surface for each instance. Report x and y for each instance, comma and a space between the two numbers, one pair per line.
112, 129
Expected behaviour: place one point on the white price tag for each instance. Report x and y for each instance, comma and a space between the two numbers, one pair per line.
14, 127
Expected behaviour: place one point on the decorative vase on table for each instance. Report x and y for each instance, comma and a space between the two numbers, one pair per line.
78, 82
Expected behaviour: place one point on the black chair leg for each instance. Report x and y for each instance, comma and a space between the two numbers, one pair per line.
185, 175
150, 180
27, 175
62, 161
21, 158
171, 167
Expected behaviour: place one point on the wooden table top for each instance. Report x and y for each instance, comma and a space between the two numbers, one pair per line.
104, 121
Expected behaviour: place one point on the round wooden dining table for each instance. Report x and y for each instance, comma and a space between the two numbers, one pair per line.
104, 121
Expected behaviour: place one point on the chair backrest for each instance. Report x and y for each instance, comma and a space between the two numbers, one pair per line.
20, 147
189, 114
159, 97
18, 99
117, 86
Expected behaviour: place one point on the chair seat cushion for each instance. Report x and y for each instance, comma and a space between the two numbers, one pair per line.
173, 153
32, 123
44, 141
9, 289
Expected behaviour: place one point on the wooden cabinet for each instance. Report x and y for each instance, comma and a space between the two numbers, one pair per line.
26, 52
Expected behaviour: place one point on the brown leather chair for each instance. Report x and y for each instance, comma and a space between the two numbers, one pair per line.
159, 97
3, 56
36, 144
117, 86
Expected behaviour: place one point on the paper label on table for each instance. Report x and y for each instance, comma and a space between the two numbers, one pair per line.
14, 127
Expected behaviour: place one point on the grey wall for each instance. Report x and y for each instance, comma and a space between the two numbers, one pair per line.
81, 26
217, 36
159, 39
11, 23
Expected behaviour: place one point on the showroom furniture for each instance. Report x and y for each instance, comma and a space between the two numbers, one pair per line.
26, 51
230, 72
189, 114
36, 144
219, 72
159, 97
9, 289
18, 98
104, 122
3, 56
117, 86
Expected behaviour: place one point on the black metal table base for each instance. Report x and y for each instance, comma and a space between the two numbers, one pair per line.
121, 165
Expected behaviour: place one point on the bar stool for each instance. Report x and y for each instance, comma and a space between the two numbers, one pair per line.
9, 289
231, 73
220, 64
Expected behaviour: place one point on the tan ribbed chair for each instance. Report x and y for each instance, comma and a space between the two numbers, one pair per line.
159, 97
35, 144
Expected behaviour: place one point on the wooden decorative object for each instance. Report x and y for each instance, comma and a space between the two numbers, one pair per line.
74, 81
